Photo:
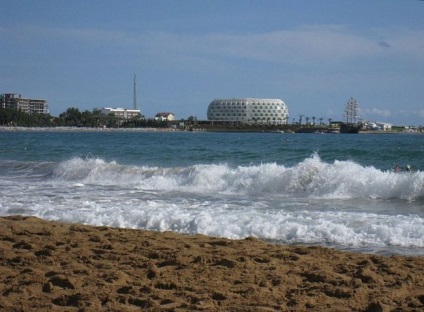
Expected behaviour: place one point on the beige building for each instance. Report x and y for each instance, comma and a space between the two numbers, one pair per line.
165, 116
27, 105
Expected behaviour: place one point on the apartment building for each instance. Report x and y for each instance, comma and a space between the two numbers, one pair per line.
27, 105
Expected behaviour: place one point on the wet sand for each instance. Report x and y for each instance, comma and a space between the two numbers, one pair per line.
52, 266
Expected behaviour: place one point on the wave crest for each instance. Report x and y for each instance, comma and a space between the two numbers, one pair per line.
310, 178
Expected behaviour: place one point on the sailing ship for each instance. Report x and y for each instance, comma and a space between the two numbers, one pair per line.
351, 113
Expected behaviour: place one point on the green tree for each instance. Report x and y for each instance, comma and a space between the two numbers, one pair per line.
72, 117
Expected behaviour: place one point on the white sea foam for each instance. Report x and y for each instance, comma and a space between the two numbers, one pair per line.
311, 178
337, 204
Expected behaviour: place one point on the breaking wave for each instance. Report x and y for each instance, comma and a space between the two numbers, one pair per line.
310, 178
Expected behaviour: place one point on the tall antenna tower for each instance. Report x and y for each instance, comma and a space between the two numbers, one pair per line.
135, 95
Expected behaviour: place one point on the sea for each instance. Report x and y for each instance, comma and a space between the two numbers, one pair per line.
334, 190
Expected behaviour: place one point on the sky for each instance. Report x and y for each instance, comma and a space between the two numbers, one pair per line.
313, 54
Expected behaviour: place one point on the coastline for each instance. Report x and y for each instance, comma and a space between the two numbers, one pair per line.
170, 129
54, 266
84, 129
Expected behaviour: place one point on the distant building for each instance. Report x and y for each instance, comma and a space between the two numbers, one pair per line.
384, 126
165, 116
378, 126
121, 113
27, 105
249, 111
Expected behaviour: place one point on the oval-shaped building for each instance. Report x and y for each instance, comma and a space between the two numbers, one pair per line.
248, 110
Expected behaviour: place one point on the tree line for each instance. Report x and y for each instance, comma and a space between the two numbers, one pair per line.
73, 117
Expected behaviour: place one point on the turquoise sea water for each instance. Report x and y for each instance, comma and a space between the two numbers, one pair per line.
329, 189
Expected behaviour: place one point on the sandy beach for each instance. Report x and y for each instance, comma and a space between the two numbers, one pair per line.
52, 266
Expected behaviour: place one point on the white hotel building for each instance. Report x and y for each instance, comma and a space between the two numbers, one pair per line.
249, 111
122, 113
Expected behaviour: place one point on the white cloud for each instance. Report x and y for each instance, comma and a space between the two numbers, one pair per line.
303, 45
307, 44
378, 112
330, 112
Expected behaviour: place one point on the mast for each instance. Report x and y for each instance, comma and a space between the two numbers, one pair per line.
135, 95
351, 111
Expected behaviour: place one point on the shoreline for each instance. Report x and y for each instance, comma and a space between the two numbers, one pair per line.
169, 129
50, 266
84, 129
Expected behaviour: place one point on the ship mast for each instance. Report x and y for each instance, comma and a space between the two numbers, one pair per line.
351, 111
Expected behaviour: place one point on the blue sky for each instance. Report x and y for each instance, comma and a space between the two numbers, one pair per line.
312, 54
